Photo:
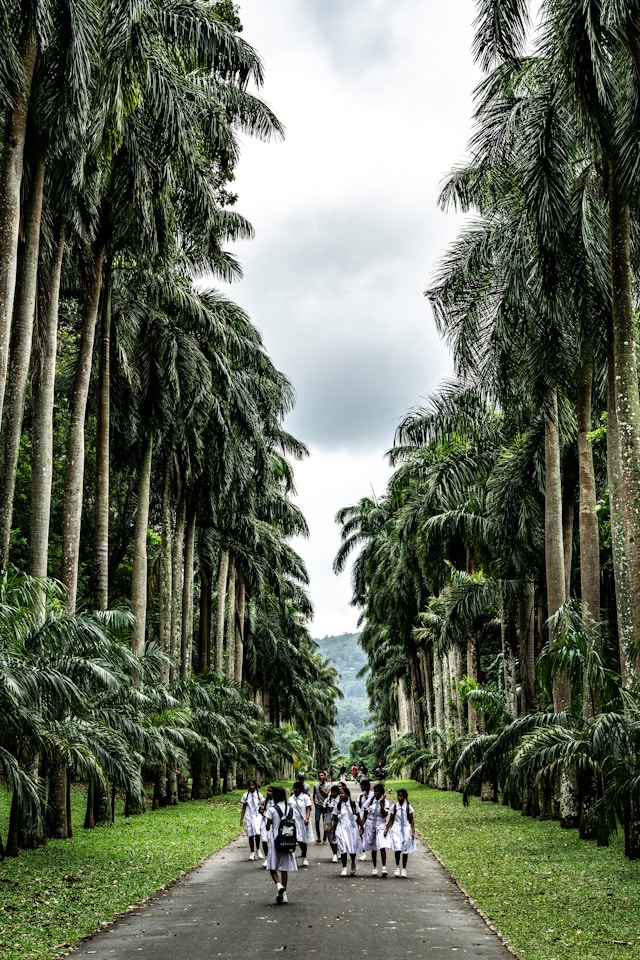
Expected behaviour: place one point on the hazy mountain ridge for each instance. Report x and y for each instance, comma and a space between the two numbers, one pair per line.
353, 711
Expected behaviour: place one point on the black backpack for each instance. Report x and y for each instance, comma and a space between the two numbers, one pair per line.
286, 839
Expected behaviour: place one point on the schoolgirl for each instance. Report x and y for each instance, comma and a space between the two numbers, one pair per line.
329, 810
302, 806
374, 821
402, 829
263, 825
366, 794
251, 816
279, 864
346, 831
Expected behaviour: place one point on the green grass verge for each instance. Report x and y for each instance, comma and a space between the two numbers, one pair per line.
551, 895
52, 897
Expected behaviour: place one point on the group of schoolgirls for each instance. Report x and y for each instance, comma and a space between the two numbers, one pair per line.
372, 824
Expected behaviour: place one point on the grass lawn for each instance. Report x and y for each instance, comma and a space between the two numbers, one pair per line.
552, 896
52, 897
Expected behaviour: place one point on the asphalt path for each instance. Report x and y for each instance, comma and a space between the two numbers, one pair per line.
227, 908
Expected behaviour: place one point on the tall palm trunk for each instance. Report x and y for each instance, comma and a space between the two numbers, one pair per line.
139, 564
240, 604
11, 165
554, 540
439, 697
589, 534
204, 628
21, 339
43, 379
618, 545
177, 574
625, 381
230, 630
74, 474
526, 634
186, 633
164, 601
223, 572
102, 449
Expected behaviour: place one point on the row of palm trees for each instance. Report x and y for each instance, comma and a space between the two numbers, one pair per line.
144, 463
498, 576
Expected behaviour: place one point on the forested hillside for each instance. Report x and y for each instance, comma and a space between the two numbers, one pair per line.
353, 711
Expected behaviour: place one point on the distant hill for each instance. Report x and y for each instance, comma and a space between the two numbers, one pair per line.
353, 711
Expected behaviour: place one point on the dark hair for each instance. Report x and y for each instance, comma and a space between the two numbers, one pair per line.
365, 784
279, 796
402, 790
299, 784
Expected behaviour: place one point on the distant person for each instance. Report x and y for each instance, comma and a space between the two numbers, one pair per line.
402, 829
380, 772
374, 821
364, 770
329, 809
264, 837
302, 779
354, 771
280, 865
251, 816
343, 772
319, 794
301, 804
330, 774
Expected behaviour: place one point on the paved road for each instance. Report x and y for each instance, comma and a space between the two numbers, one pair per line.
226, 908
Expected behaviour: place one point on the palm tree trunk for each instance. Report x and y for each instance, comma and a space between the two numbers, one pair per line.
177, 573
139, 563
526, 634
164, 603
204, 629
223, 571
554, 540
508, 630
439, 698
102, 449
230, 631
186, 633
57, 823
74, 475
622, 582
11, 166
43, 380
21, 339
626, 381
239, 657
588, 520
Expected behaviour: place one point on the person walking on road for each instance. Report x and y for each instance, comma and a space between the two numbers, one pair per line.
366, 794
403, 831
345, 828
374, 821
279, 864
263, 826
251, 816
329, 811
301, 804
320, 794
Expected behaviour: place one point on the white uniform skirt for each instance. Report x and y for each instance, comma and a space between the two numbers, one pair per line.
347, 836
373, 837
400, 832
304, 833
276, 860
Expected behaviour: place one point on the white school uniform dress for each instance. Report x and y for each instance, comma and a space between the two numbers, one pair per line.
252, 816
400, 832
275, 859
362, 802
347, 833
264, 836
329, 810
373, 837
300, 805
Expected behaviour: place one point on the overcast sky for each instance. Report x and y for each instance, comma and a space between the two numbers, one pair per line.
375, 96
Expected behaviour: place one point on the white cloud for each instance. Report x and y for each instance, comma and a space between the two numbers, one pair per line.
376, 99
